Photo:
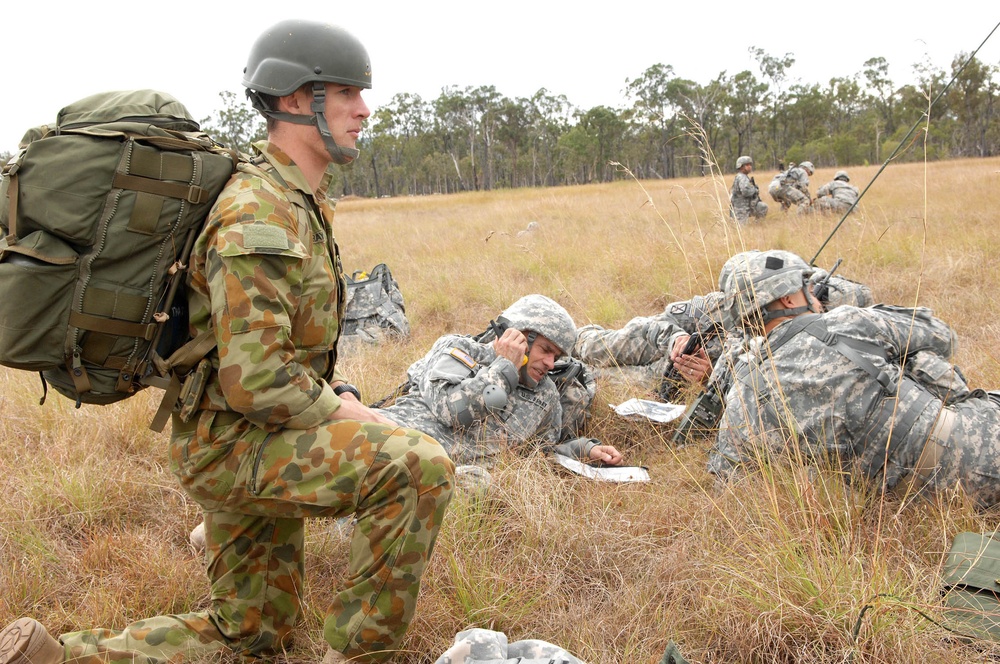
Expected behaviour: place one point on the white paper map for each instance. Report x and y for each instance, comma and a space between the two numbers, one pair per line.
608, 473
657, 411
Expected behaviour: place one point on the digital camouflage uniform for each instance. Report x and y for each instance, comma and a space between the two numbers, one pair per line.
448, 399
791, 188
745, 199
374, 309
832, 384
261, 452
484, 646
836, 197
641, 349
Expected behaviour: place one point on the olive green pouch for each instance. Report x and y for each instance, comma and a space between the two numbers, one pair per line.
971, 578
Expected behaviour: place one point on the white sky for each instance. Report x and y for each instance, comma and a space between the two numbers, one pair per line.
582, 49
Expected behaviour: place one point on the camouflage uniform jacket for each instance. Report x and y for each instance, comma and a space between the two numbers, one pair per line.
798, 178
642, 347
448, 401
795, 387
837, 195
266, 276
743, 196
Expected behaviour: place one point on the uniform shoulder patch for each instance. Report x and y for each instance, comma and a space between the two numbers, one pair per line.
678, 308
463, 357
264, 237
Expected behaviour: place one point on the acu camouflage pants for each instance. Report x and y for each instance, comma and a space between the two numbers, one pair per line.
256, 488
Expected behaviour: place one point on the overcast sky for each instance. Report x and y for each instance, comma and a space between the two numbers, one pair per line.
518, 46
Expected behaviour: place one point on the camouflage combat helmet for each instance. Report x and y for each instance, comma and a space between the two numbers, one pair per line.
544, 316
743, 161
760, 278
808, 165
730, 265
842, 175
293, 53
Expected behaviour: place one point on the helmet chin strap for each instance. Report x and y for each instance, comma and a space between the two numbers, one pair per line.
338, 153
767, 315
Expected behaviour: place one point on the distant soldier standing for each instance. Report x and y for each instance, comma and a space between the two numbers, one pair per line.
838, 196
791, 187
745, 195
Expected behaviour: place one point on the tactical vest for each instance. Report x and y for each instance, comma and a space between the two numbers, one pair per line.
894, 419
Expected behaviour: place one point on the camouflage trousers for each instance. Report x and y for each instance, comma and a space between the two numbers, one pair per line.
831, 205
788, 196
256, 487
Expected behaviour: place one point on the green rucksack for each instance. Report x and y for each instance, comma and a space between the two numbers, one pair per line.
99, 214
971, 576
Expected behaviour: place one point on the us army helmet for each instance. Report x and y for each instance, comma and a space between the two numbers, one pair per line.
743, 161
730, 265
758, 279
293, 53
841, 175
808, 165
537, 313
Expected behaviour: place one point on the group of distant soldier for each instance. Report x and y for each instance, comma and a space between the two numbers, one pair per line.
789, 187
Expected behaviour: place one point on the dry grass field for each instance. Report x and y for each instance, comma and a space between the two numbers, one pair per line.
776, 568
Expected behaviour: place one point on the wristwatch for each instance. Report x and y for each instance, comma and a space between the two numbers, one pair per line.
347, 387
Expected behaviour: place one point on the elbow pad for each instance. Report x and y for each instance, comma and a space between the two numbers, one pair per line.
494, 398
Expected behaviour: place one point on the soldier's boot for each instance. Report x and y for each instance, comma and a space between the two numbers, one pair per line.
25, 641
334, 657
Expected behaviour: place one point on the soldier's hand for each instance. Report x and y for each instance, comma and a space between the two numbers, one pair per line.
513, 345
606, 454
352, 409
695, 368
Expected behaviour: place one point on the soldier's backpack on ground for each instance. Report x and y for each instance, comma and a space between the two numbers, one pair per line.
971, 576
374, 306
99, 213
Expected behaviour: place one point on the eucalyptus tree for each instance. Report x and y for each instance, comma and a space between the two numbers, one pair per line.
486, 105
972, 100
747, 97
397, 137
661, 102
455, 127
549, 118
915, 108
884, 97
236, 124
512, 131
592, 144
775, 69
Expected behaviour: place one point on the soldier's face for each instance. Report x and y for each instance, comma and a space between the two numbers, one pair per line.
542, 357
345, 112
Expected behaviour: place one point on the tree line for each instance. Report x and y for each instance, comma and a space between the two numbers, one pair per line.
476, 138
669, 126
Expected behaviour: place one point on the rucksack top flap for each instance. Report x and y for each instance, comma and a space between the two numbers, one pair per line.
974, 560
143, 106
